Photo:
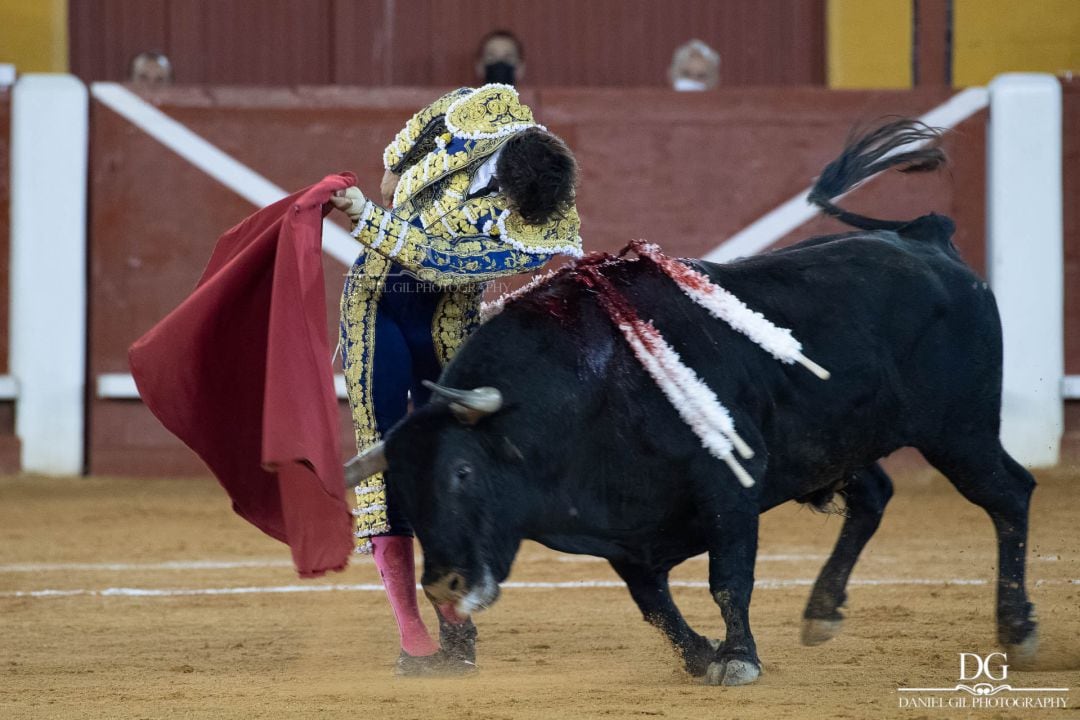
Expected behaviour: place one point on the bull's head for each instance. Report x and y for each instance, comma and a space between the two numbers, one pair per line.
449, 466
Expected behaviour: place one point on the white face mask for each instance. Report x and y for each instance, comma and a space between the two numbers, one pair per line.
683, 84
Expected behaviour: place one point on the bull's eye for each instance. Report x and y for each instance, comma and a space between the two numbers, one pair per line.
462, 473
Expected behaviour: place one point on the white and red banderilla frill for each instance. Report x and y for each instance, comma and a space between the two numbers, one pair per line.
692, 398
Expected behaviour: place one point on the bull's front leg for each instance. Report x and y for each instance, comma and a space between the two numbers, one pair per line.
732, 552
652, 594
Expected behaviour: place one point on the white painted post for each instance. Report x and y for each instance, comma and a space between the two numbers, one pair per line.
49, 135
1025, 259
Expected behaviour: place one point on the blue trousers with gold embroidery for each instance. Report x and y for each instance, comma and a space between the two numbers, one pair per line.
404, 354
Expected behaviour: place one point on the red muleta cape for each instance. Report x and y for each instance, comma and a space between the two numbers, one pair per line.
241, 372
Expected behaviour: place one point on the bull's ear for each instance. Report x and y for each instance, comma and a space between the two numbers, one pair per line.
467, 415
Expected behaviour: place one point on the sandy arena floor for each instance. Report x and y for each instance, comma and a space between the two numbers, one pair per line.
277, 647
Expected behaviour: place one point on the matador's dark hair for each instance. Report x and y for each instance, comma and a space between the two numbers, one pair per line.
538, 174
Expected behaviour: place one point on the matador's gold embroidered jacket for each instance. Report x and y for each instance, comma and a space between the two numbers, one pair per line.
438, 233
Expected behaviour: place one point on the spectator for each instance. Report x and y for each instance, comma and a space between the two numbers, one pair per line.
500, 58
151, 68
695, 66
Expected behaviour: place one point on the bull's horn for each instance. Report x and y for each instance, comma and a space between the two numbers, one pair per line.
370, 462
469, 405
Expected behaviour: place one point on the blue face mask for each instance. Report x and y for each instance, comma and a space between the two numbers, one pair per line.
499, 72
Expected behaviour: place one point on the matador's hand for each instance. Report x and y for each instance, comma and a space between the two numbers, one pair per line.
350, 201
388, 186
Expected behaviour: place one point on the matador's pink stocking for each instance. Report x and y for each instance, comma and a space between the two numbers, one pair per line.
397, 565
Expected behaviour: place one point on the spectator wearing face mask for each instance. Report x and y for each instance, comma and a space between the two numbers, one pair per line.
500, 58
694, 66
150, 68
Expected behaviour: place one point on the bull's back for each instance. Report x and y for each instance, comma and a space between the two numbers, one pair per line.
898, 322
910, 334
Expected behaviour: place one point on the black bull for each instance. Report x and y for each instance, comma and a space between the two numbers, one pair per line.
586, 455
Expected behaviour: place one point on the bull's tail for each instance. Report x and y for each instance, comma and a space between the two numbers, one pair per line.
868, 154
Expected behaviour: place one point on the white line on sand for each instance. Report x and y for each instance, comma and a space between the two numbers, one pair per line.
763, 584
172, 565
763, 557
256, 563
122, 567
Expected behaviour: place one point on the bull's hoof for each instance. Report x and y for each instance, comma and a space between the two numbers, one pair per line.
732, 672
815, 631
1023, 655
698, 658
458, 640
